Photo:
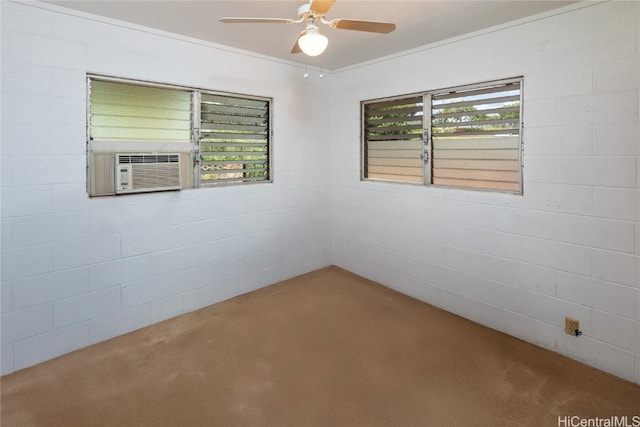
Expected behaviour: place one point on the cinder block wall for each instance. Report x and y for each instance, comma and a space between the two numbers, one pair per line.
571, 244
75, 270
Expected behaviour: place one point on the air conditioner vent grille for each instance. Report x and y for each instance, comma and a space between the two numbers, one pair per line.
148, 158
142, 172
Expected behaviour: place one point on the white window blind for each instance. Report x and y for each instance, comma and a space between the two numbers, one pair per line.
129, 112
234, 143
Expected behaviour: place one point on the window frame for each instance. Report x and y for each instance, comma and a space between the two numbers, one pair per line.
195, 136
427, 134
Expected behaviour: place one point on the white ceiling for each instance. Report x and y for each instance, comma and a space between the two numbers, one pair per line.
418, 23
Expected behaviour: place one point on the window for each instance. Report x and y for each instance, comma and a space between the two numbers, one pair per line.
123, 111
234, 142
467, 137
218, 138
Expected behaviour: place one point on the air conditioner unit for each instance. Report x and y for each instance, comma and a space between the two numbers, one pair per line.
136, 173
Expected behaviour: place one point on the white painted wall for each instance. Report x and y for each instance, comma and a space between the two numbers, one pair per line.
519, 264
76, 271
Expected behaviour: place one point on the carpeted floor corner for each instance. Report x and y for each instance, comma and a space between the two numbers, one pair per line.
328, 348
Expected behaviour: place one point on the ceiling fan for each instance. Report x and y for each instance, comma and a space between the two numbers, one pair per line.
310, 41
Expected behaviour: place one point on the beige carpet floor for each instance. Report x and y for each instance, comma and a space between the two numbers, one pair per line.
325, 349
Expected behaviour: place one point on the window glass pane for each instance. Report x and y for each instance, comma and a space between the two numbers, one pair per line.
129, 112
393, 140
476, 137
234, 144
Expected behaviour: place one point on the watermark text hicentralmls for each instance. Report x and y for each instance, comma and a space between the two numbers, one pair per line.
612, 421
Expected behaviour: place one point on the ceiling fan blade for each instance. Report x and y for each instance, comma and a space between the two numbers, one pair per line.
370, 26
296, 47
321, 6
234, 20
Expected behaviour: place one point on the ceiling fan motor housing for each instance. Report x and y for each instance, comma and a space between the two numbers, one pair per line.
305, 12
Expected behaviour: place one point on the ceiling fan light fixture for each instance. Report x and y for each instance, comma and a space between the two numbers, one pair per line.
313, 43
